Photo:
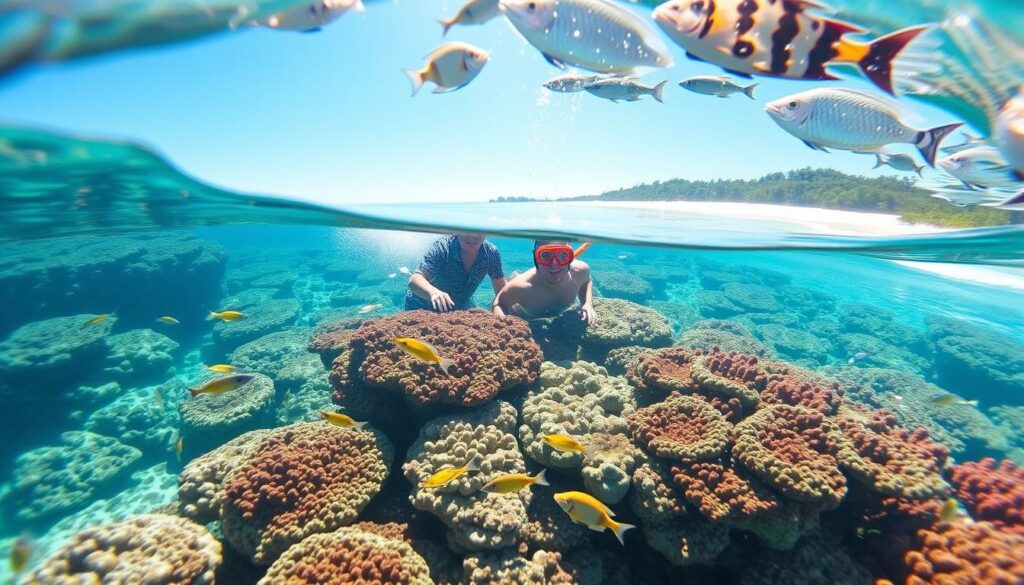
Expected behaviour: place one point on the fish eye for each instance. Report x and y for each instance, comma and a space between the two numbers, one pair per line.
792, 105
531, 6
697, 7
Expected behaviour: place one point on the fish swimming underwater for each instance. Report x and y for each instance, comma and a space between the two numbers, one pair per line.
720, 86
949, 511
777, 39
222, 385
446, 475
221, 368
592, 513
951, 400
311, 17
369, 308
623, 88
570, 82
513, 482
472, 12
168, 320
424, 352
98, 319
567, 444
341, 420
21, 554
848, 119
226, 316
597, 35
1009, 133
900, 162
450, 66
981, 167
179, 445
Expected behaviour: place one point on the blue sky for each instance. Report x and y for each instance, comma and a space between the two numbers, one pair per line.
327, 116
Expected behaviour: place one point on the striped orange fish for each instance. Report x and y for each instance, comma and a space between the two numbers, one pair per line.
777, 38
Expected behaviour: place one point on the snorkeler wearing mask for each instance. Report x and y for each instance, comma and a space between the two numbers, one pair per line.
451, 271
556, 281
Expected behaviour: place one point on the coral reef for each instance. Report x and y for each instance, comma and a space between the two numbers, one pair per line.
623, 285
993, 492
794, 344
139, 355
486, 436
268, 354
138, 419
330, 338
817, 559
961, 552
154, 549
680, 428
724, 335
967, 357
620, 323
64, 349
583, 402
211, 420
622, 359
348, 555
508, 568
752, 298
259, 320
201, 482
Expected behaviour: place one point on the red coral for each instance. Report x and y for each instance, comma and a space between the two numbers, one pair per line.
722, 492
489, 354
958, 552
664, 371
730, 381
992, 492
329, 339
793, 450
789, 385
683, 428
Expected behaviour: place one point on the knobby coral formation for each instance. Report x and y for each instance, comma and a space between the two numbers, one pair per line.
681, 428
961, 552
993, 492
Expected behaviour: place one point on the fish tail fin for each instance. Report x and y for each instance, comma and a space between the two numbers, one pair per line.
416, 78
878, 161
445, 364
360, 425
928, 141
540, 479
877, 64
446, 25
213, 315
920, 170
619, 528
1015, 200
749, 90
659, 90
472, 466
194, 392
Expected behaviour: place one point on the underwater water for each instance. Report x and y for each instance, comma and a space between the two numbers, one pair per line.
206, 384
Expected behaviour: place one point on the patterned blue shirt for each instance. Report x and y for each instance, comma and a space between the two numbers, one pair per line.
442, 267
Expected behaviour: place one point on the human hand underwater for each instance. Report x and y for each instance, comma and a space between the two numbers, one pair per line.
441, 301
587, 314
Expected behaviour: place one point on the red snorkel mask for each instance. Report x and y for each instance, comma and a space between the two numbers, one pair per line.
561, 254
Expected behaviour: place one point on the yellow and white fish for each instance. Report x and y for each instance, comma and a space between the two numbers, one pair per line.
718, 86
848, 119
221, 368
158, 398
369, 308
567, 444
166, 320
513, 482
592, 513
424, 352
598, 35
950, 510
951, 400
226, 316
99, 319
900, 162
472, 12
341, 420
777, 39
21, 553
179, 445
222, 385
981, 167
311, 17
450, 66
446, 475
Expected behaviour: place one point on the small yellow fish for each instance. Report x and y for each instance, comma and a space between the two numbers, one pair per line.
168, 320
99, 319
591, 512
423, 351
513, 482
567, 444
952, 399
158, 398
226, 316
222, 384
446, 475
221, 368
21, 554
369, 308
177, 448
341, 420
949, 510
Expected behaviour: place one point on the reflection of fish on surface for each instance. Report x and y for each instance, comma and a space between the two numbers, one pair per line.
222, 385
981, 167
623, 88
472, 12
719, 86
848, 119
450, 66
592, 513
444, 476
597, 35
513, 482
424, 352
777, 39
900, 162
311, 17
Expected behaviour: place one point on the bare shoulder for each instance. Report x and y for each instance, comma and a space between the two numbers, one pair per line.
580, 269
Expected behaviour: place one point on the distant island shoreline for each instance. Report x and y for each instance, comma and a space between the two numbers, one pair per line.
820, 188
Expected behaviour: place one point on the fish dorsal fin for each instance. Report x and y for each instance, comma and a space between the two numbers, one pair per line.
812, 5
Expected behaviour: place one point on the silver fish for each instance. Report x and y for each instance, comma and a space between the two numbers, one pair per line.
311, 17
570, 82
848, 119
472, 12
900, 162
1009, 132
982, 167
597, 35
720, 86
624, 88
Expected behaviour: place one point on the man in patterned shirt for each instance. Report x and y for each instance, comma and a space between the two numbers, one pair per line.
451, 271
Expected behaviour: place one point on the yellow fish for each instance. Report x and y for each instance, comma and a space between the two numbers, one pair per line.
177, 448
226, 316
952, 399
158, 398
949, 510
99, 319
222, 384
168, 320
423, 351
446, 475
21, 553
221, 368
513, 482
591, 512
567, 444
369, 308
341, 420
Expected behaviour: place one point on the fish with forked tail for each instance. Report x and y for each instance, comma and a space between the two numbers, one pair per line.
720, 86
472, 12
623, 88
900, 162
592, 513
222, 385
450, 66
424, 352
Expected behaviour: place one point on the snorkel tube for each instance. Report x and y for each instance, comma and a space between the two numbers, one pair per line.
583, 248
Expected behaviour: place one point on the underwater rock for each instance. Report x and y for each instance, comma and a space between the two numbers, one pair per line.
623, 285
967, 358
348, 555
280, 281
141, 276
201, 482
879, 354
268, 354
809, 303
259, 320
993, 492
345, 269
753, 298
794, 344
54, 480
509, 568
486, 435
682, 315
246, 274
489, 354
155, 549
246, 299
303, 403
63, 349
620, 323
724, 335
139, 356
302, 479
882, 324
209, 420
966, 552
818, 558
584, 402
138, 420
714, 304
680, 428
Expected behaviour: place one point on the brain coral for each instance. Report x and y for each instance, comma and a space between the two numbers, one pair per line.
152, 549
730, 381
301, 479
793, 449
583, 402
962, 552
490, 354
682, 428
621, 323
790, 385
478, 520
348, 555
992, 492
331, 337
210, 420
